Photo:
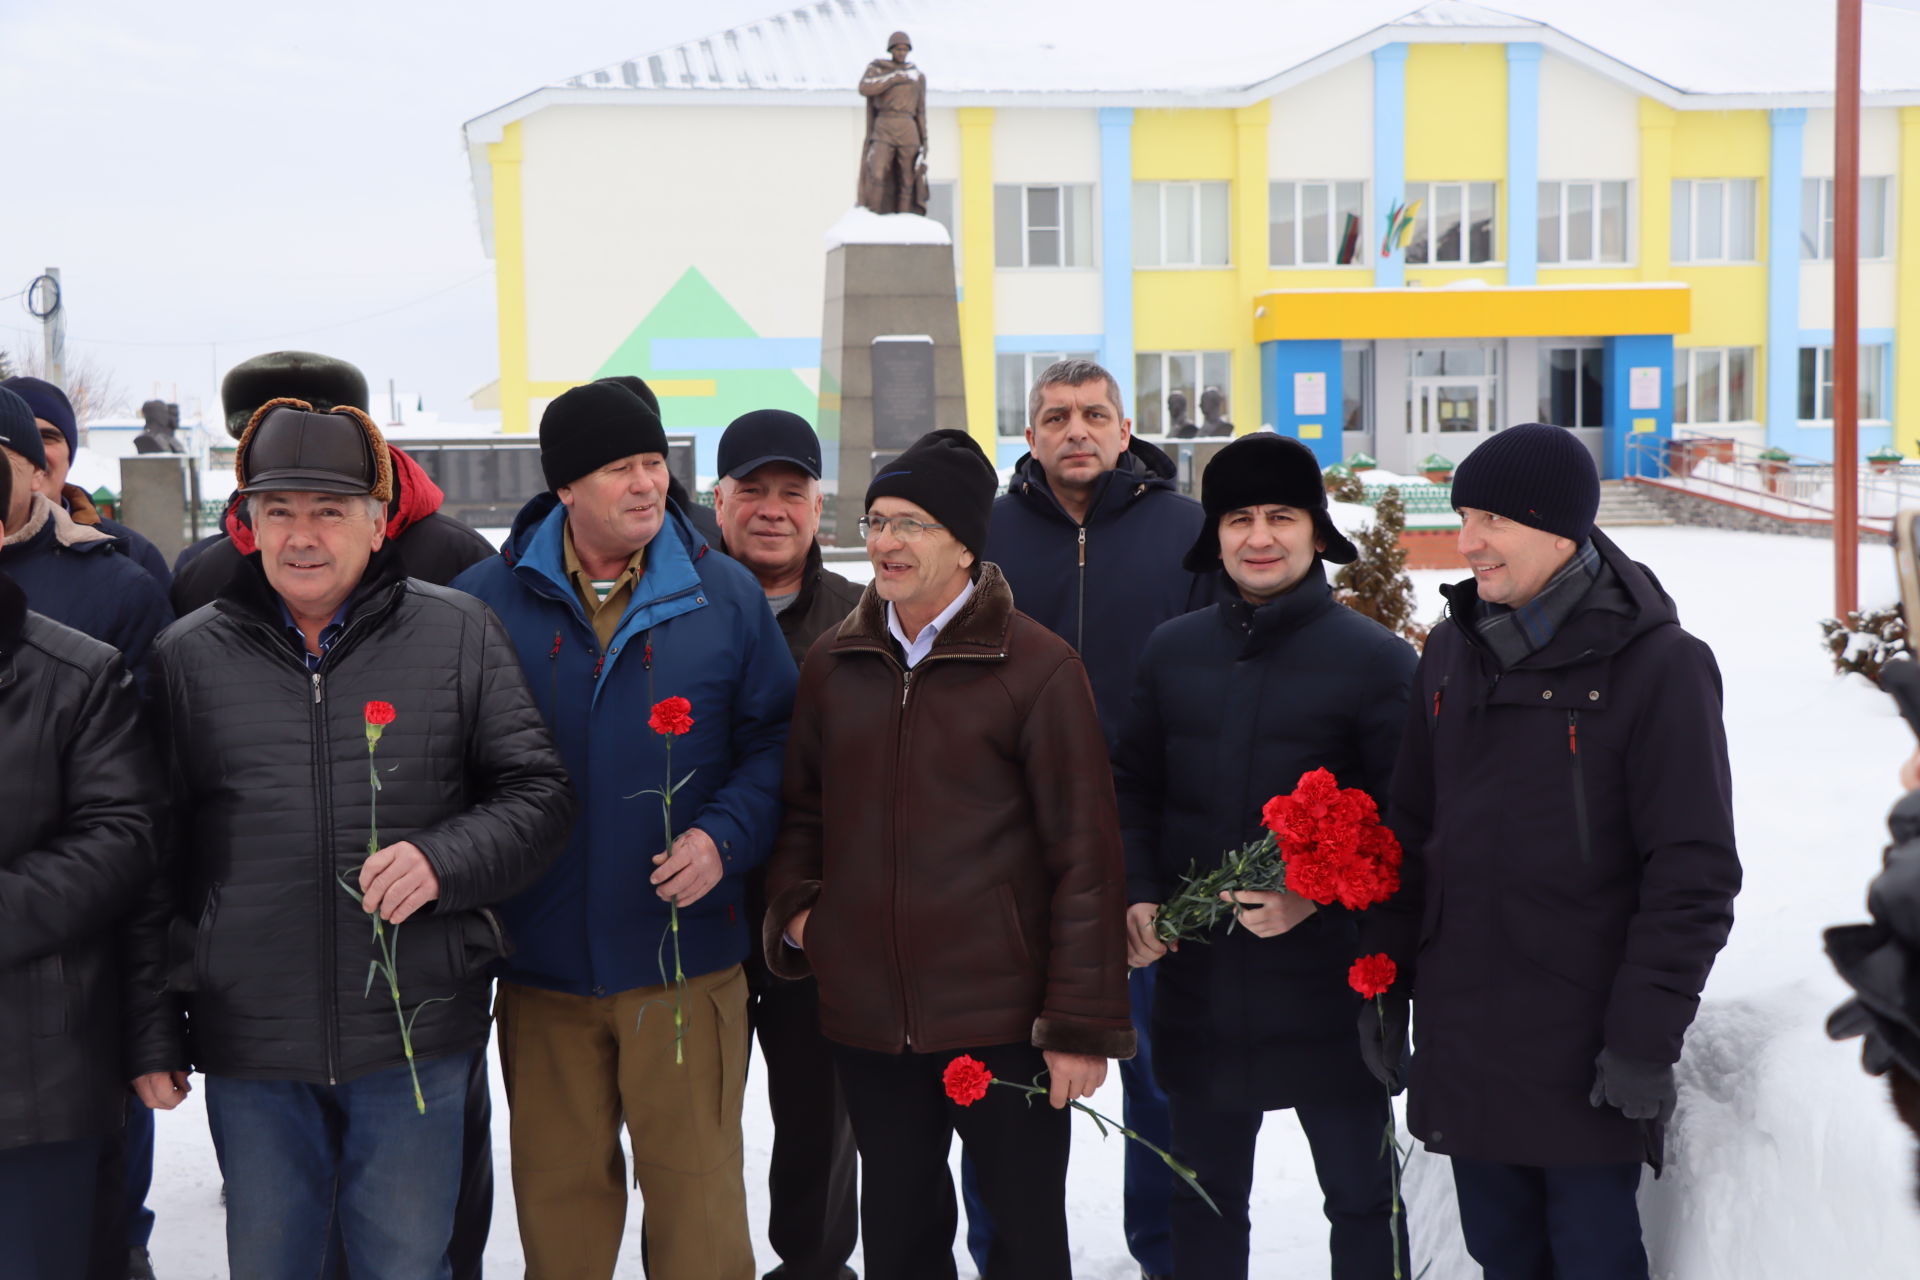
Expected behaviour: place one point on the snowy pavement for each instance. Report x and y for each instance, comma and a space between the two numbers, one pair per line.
1786, 1161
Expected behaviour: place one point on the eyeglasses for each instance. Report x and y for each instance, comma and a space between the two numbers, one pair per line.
904, 529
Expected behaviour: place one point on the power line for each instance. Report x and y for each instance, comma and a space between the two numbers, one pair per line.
274, 337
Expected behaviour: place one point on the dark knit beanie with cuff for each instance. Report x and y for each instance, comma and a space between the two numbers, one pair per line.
1538, 475
49, 404
19, 432
945, 474
586, 428
1257, 470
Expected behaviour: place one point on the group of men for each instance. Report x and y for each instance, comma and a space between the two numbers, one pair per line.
889, 827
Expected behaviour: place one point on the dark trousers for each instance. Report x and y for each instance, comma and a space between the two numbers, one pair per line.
121, 1220
813, 1175
905, 1125
1566, 1222
1149, 1183
1348, 1158
47, 1209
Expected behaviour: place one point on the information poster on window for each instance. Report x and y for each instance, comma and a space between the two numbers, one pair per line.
1643, 388
1309, 394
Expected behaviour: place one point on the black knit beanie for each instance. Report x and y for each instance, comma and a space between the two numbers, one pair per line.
19, 432
1538, 475
586, 428
1258, 470
639, 387
945, 474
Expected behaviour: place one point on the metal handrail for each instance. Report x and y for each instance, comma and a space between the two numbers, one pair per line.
1770, 480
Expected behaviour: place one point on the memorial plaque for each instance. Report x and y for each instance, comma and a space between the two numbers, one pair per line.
902, 390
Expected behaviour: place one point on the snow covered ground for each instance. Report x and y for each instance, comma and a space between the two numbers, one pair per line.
1787, 1162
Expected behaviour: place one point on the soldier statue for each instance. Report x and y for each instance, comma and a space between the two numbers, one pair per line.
893, 166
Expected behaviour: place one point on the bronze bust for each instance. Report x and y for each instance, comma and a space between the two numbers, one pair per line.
162, 420
893, 164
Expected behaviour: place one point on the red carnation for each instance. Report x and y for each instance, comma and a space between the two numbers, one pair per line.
966, 1079
380, 713
1372, 975
671, 717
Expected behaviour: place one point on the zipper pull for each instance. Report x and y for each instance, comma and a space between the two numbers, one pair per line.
599, 662
316, 688
906, 687
1083, 546
1573, 733
556, 645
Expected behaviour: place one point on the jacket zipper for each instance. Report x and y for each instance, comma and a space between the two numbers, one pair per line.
324, 854
1080, 609
1579, 786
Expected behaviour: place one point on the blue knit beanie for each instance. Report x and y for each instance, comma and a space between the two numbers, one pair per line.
19, 432
50, 403
1541, 476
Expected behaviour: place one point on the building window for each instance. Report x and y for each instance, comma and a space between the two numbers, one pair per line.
1816, 217
1183, 395
1712, 385
1816, 384
1454, 222
1583, 222
1180, 224
944, 208
1043, 226
1713, 221
1356, 390
1015, 372
1315, 223
1571, 388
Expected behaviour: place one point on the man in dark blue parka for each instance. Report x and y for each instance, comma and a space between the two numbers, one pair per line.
1564, 800
1089, 535
1232, 705
615, 605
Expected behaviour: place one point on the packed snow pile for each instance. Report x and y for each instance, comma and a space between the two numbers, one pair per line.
864, 226
1785, 1161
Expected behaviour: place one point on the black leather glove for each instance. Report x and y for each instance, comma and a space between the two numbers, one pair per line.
1640, 1090
1383, 1039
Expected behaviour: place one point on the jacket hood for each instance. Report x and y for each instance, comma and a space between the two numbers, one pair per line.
1144, 467
1621, 607
527, 524
415, 497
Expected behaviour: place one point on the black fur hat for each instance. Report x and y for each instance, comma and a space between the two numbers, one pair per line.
324, 382
1257, 470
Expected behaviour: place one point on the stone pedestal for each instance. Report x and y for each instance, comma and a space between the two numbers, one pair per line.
892, 319
154, 492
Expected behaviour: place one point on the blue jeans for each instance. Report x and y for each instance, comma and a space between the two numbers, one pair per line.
139, 1173
1149, 1183
295, 1156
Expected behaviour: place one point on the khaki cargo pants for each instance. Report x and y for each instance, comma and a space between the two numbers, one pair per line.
574, 1068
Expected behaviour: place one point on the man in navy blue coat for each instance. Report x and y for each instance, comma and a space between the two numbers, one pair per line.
1233, 704
1565, 803
616, 604
1089, 535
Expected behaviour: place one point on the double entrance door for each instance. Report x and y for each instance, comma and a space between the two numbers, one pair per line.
1453, 399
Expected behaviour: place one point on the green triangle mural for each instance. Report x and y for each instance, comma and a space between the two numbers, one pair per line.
694, 309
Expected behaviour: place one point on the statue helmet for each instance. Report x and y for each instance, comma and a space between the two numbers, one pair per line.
898, 38
324, 382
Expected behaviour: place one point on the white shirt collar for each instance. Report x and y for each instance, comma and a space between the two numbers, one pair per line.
918, 647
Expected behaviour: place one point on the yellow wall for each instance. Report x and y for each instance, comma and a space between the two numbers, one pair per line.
1721, 144
1906, 352
1186, 145
510, 277
1251, 205
1190, 310
1657, 122
976, 271
1457, 113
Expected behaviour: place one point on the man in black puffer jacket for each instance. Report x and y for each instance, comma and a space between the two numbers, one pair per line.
1232, 705
81, 792
265, 702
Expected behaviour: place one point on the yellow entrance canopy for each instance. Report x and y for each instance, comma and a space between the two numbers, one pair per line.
1473, 311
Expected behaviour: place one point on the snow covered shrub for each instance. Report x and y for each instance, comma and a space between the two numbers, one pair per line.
1866, 641
1343, 485
1377, 584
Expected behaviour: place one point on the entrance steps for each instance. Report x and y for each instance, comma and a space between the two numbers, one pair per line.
1623, 505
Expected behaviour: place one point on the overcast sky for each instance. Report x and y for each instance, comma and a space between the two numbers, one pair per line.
215, 179
218, 178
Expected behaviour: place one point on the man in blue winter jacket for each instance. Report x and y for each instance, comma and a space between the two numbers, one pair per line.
1090, 535
616, 604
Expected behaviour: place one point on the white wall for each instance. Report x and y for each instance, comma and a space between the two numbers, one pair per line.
1589, 125
1879, 295
1032, 144
1879, 142
1046, 301
1324, 128
620, 201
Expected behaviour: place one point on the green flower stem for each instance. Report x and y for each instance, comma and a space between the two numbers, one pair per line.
1393, 1149
673, 922
388, 945
1104, 1123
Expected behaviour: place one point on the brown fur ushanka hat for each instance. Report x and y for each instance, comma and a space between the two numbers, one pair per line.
289, 447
